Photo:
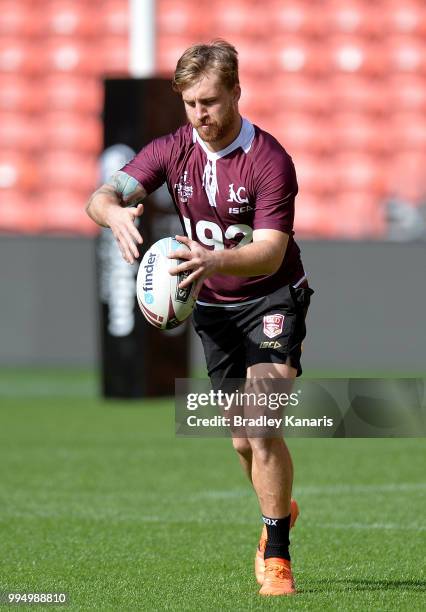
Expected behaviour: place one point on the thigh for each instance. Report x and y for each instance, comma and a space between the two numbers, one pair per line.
277, 334
223, 344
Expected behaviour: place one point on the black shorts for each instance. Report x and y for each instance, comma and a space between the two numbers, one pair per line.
269, 330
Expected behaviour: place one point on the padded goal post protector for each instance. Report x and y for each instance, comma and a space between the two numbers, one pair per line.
136, 359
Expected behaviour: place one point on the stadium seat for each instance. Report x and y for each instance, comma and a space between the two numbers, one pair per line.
19, 131
115, 18
351, 54
354, 171
168, 50
69, 92
301, 133
238, 18
69, 170
353, 131
405, 54
408, 131
297, 54
294, 17
353, 17
17, 171
70, 18
359, 215
72, 132
20, 94
405, 17
314, 217
21, 56
296, 92
406, 177
19, 19
406, 92
63, 211
254, 56
72, 55
187, 19
313, 173
114, 56
18, 212
358, 93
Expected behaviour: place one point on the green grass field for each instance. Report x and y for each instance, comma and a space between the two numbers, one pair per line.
101, 501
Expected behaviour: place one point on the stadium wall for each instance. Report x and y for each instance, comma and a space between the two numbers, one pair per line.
367, 312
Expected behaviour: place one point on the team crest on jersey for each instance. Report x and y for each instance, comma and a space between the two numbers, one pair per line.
184, 188
273, 325
238, 195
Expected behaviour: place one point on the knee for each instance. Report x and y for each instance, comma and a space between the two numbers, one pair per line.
242, 446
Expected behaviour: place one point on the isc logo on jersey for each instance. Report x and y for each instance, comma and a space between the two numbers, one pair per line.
237, 196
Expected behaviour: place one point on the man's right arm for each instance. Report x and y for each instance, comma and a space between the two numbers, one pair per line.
117, 204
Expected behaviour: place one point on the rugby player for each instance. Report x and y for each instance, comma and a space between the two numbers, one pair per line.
233, 186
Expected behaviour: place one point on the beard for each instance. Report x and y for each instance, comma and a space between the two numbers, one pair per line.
215, 131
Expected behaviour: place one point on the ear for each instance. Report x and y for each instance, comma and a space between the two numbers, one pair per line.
237, 92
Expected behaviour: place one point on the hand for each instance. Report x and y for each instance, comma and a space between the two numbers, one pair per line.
200, 261
122, 223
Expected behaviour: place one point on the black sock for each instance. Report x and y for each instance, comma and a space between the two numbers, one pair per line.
278, 537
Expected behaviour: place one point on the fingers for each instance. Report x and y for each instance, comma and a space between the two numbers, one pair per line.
136, 211
180, 254
127, 245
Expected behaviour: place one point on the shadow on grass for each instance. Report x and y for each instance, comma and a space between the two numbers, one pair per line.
360, 584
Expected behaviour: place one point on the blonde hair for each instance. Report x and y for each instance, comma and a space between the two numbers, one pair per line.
218, 55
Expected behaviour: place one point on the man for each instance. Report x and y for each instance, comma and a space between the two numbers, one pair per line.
233, 187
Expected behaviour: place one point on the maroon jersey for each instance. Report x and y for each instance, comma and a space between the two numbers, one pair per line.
222, 196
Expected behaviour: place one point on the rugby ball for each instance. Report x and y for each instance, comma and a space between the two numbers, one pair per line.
161, 301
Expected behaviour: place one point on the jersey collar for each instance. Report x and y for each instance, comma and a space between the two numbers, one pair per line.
243, 140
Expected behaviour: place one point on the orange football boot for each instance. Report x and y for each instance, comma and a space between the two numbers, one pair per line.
278, 578
259, 561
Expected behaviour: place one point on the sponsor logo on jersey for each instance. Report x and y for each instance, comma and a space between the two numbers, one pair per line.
149, 269
184, 188
236, 211
273, 325
238, 195
273, 344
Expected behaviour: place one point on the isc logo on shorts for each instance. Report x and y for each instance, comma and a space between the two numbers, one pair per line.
273, 325
273, 344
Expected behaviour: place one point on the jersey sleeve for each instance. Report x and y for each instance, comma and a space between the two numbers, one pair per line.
149, 166
276, 189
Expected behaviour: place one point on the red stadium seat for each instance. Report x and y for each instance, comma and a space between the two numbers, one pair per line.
358, 172
17, 171
19, 131
187, 19
313, 173
354, 17
115, 56
237, 18
63, 212
405, 54
18, 212
299, 133
69, 170
405, 176
296, 92
406, 92
72, 131
294, 17
115, 18
358, 93
358, 132
408, 131
405, 17
350, 54
19, 94
359, 215
20, 56
72, 55
70, 18
19, 19
314, 217
299, 55
68, 92
254, 56
168, 50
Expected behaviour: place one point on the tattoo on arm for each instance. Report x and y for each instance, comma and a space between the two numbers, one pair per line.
127, 187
